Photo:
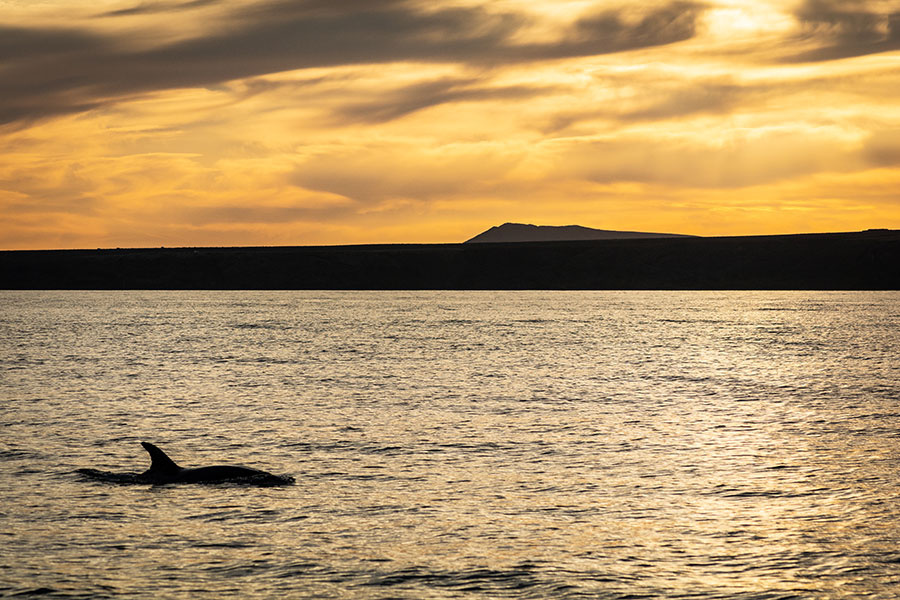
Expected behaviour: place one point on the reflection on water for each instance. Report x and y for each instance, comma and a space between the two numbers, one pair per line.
454, 445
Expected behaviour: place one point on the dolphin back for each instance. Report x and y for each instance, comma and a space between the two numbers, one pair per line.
232, 474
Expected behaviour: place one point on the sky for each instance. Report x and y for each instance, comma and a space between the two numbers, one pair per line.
145, 123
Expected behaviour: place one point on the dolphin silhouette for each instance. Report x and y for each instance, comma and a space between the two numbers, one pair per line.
164, 470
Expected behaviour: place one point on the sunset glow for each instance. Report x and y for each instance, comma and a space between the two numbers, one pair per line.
299, 122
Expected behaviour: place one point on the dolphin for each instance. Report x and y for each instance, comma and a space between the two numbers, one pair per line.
164, 470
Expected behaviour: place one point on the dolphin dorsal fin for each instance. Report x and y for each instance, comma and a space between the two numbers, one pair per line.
159, 462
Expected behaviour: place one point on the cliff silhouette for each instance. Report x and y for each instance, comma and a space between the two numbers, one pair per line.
868, 260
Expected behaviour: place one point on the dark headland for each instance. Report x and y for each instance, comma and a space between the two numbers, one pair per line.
521, 232
868, 260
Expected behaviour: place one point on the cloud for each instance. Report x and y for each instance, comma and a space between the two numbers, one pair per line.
379, 174
844, 97
665, 99
612, 31
256, 214
740, 159
45, 69
150, 8
882, 149
847, 28
406, 100
54, 71
318, 33
28, 44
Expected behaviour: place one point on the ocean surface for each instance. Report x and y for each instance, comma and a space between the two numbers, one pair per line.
453, 444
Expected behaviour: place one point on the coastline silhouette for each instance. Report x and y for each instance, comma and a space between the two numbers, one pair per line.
868, 260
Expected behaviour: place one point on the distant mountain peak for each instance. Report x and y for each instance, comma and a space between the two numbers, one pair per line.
523, 232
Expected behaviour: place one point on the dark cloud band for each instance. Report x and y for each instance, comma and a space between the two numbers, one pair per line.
57, 71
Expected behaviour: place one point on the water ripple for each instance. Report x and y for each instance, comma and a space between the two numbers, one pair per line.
453, 445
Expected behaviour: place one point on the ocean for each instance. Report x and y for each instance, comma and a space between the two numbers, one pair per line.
453, 444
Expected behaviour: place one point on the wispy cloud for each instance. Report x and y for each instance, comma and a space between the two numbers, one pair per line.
845, 28
395, 103
152, 8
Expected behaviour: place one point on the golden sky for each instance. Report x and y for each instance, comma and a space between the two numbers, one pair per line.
130, 123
